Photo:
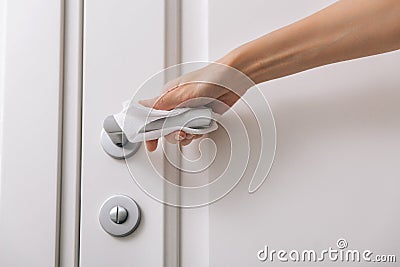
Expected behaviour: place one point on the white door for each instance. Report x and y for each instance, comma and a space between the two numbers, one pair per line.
335, 174
330, 149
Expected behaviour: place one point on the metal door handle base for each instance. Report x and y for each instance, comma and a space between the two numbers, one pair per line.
115, 151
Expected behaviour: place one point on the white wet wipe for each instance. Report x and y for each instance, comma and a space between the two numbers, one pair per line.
141, 123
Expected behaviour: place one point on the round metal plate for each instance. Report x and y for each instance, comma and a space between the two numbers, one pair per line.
129, 225
115, 151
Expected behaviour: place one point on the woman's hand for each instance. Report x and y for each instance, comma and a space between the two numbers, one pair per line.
206, 86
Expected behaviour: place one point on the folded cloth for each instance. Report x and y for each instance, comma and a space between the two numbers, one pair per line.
140, 123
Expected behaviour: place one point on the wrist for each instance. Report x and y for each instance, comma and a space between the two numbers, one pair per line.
244, 59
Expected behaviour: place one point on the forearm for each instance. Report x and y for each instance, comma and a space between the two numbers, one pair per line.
346, 30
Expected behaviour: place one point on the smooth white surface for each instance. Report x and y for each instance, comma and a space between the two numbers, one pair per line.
336, 169
123, 46
2, 66
31, 85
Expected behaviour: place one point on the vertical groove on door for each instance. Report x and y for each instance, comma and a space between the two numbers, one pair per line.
194, 229
60, 135
71, 135
172, 215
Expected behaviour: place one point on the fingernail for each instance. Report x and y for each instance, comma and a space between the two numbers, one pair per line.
189, 136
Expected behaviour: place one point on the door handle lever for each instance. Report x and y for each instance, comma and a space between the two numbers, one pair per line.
140, 126
114, 141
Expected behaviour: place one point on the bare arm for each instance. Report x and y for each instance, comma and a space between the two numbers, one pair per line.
346, 30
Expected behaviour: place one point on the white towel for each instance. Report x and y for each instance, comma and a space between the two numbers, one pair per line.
141, 123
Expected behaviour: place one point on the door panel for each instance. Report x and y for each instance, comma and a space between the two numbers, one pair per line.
123, 46
336, 172
30, 125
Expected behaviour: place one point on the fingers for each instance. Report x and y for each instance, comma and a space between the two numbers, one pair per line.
155, 102
167, 101
177, 137
189, 139
190, 94
148, 102
185, 142
173, 138
151, 145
